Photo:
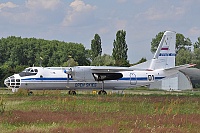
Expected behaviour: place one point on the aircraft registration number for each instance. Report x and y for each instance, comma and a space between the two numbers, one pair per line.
85, 84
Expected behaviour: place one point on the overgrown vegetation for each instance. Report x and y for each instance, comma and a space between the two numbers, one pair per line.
2, 106
53, 111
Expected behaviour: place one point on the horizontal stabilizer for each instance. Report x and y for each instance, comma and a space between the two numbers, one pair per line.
180, 67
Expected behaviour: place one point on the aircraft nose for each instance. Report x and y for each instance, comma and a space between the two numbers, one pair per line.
12, 82
7, 82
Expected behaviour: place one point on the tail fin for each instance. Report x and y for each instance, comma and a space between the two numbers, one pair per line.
165, 54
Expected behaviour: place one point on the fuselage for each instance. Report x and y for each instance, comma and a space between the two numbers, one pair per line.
82, 77
101, 77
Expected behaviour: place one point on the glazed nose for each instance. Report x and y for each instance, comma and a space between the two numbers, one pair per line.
7, 81
12, 82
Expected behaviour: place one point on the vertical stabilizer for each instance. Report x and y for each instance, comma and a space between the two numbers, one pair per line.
165, 54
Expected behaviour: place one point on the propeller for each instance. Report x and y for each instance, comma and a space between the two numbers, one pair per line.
68, 72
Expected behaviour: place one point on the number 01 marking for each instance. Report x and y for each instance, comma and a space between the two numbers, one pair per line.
151, 77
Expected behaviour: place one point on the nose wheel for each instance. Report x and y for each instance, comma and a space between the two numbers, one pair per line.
30, 93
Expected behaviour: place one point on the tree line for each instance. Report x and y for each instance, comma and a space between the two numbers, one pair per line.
17, 53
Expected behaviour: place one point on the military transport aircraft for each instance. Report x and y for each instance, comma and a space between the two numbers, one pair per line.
101, 77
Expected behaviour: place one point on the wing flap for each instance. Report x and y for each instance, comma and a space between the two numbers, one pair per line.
111, 69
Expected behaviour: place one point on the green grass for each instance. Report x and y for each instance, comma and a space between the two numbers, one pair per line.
55, 111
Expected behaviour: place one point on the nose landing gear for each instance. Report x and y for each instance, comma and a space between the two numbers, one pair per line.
30, 93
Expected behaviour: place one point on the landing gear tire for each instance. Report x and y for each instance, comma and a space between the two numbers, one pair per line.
30, 93
72, 92
102, 92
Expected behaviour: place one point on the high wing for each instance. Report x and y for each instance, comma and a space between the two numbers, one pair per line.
109, 69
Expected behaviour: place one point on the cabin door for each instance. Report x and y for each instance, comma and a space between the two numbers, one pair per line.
133, 79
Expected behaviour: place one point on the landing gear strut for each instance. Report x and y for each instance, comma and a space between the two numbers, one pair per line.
102, 92
72, 92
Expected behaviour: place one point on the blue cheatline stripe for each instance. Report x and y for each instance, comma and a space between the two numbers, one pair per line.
167, 54
47, 79
65, 79
159, 78
140, 78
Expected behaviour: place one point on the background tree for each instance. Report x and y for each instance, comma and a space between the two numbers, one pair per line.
182, 42
88, 54
96, 49
197, 43
141, 61
70, 63
155, 42
184, 56
120, 49
196, 53
105, 60
196, 57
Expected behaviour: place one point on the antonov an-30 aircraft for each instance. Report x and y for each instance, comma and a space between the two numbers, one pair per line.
101, 77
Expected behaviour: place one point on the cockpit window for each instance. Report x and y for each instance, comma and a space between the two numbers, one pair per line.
28, 72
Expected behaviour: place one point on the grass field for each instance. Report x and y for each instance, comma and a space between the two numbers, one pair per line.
55, 111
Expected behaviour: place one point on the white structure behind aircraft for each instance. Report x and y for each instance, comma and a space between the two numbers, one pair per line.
101, 77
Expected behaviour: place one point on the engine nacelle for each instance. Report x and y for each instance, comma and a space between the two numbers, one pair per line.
82, 73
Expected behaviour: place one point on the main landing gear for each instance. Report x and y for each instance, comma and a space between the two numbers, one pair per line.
72, 92
102, 92
30, 93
